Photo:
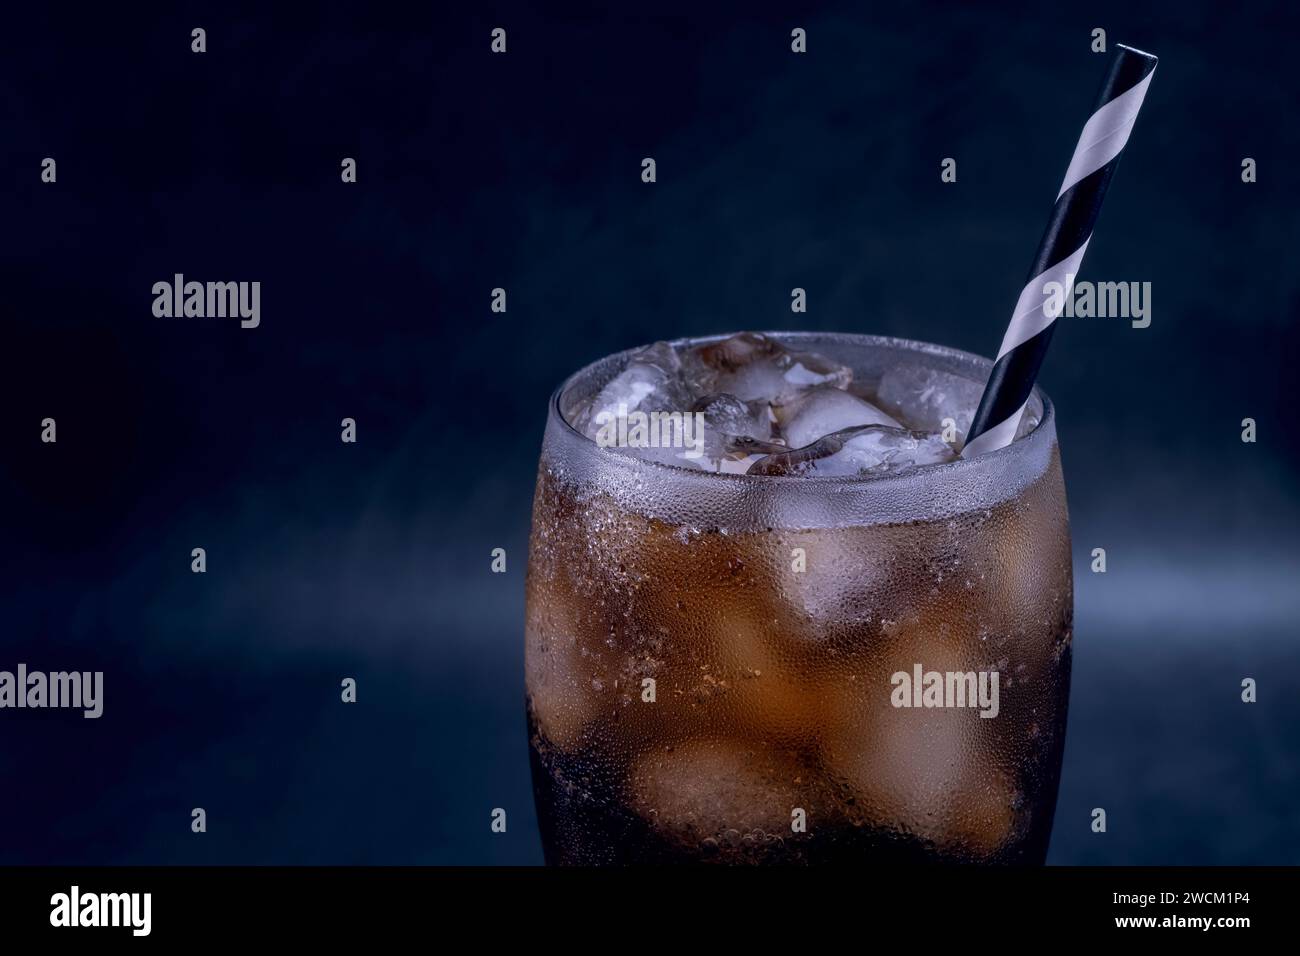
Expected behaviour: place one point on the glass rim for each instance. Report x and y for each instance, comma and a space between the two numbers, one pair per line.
1044, 430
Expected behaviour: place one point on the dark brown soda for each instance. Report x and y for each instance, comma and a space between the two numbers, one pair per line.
772, 735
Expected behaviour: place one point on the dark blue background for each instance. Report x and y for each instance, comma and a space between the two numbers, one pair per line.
371, 560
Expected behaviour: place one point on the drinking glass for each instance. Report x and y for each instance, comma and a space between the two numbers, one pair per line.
742, 669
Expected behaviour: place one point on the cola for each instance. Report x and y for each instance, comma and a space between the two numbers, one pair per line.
798, 628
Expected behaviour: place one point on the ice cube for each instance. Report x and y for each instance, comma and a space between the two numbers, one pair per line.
735, 433
928, 774
1028, 421
823, 410
859, 452
753, 367
939, 774
566, 675
732, 465
849, 578
727, 796
728, 415
923, 397
651, 381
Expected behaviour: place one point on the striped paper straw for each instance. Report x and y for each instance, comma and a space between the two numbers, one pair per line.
1061, 250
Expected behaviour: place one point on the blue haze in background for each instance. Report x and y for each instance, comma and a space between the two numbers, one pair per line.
371, 560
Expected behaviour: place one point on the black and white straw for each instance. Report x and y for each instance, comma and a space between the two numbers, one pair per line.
1061, 251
